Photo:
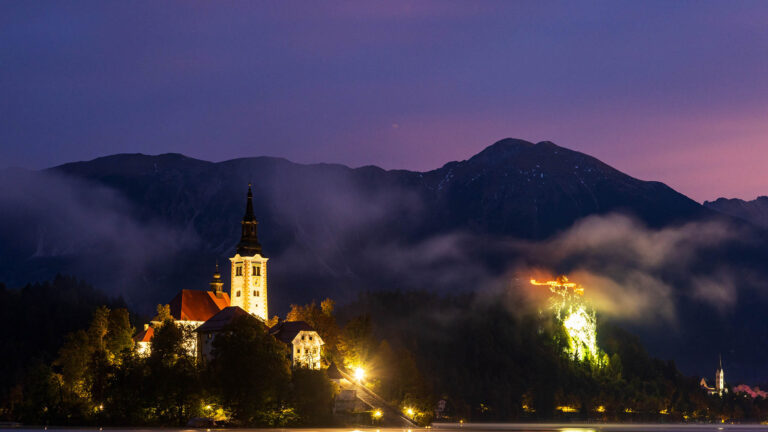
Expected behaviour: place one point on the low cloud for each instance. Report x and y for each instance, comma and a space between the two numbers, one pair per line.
340, 235
49, 219
635, 273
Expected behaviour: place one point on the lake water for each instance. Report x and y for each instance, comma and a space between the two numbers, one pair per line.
495, 427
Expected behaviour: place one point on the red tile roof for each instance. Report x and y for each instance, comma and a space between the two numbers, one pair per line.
197, 305
144, 335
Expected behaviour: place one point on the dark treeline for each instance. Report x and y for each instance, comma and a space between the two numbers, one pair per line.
496, 358
97, 378
490, 357
35, 320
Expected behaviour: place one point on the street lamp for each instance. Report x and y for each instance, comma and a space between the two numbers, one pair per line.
359, 374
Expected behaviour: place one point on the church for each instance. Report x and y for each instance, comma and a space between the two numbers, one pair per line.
205, 313
719, 388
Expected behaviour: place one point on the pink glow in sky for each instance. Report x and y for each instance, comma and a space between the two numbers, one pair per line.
668, 91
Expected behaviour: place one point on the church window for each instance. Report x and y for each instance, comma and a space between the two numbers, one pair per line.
256, 271
238, 271
238, 294
256, 293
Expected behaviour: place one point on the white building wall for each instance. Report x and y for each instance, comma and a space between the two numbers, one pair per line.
248, 287
307, 350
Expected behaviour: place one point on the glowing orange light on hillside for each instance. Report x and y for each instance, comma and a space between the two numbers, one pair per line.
560, 286
576, 316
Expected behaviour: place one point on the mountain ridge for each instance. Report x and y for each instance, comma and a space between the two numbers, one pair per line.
512, 188
146, 226
754, 211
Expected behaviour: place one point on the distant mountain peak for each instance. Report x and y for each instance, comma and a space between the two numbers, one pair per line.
755, 211
502, 149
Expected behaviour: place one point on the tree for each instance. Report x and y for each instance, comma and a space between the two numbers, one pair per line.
73, 358
128, 400
356, 344
163, 313
97, 332
120, 332
42, 402
273, 321
312, 397
173, 382
249, 371
167, 345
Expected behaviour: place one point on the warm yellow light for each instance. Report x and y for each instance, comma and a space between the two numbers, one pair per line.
410, 412
377, 414
359, 374
600, 409
567, 409
577, 318
208, 407
582, 331
664, 411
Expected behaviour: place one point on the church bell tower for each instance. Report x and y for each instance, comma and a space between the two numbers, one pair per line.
248, 289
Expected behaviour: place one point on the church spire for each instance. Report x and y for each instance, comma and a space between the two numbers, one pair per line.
249, 239
216, 283
249, 206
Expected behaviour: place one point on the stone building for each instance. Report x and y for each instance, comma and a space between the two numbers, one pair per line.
249, 268
142, 340
305, 343
204, 313
208, 331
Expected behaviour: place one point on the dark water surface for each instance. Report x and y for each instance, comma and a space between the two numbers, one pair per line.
446, 427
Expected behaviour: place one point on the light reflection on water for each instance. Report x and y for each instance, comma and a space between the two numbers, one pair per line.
443, 427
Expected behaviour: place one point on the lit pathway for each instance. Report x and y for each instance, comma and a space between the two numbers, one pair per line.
392, 415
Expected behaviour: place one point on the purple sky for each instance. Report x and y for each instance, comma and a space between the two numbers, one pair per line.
674, 91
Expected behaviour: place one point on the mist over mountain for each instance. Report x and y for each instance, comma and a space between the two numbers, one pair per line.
146, 226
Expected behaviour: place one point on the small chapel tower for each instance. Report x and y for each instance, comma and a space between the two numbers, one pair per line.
248, 289
720, 379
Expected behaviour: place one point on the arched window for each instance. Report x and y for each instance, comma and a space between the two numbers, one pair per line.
237, 294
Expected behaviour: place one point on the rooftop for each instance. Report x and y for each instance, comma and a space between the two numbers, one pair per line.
197, 305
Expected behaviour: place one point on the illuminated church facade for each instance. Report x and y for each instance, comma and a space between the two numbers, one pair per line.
249, 268
719, 388
205, 313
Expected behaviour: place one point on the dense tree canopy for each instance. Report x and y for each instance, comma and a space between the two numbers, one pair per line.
486, 356
250, 371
